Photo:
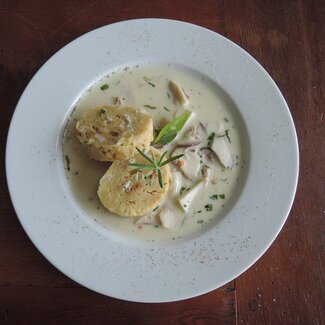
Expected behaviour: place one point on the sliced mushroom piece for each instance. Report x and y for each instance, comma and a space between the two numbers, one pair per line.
208, 175
206, 171
193, 136
167, 218
175, 183
179, 94
208, 153
148, 219
119, 100
221, 148
190, 163
187, 197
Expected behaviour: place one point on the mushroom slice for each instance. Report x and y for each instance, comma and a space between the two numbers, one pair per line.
193, 136
119, 100
176, 183
167, 218
208, 153
220, 147
190, 163
186, 199
147, 219
179, 94
207, 173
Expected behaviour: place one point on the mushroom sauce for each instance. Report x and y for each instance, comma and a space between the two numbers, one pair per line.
203, 180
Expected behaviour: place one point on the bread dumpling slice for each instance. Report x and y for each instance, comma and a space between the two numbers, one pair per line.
110, 133
129, 192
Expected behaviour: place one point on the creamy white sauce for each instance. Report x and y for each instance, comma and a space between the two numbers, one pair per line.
148, 88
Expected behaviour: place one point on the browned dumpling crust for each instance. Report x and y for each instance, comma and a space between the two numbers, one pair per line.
110, 133
129, 192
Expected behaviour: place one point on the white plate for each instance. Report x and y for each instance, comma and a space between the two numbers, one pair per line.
140, 271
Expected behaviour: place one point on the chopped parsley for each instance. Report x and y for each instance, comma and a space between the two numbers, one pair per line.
226, 120
184, 189
226, 134
156, 208
210, 138
104, 87
67, 159
102, 111
150, 106
208, 207
217, 196
167, 109
151, 84
199, 211
200, 221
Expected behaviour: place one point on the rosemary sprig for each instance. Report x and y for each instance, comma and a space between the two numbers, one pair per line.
155, 164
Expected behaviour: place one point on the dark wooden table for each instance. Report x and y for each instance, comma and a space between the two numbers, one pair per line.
286, 286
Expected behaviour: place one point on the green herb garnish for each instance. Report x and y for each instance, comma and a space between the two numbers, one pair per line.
183, 188
155, 164
149, 106
200, 221
156, 208
226, 134
104, 87
208, 207
148, 81
167, 109
210, 138
226, 120
67, 159
217, 196
170, 130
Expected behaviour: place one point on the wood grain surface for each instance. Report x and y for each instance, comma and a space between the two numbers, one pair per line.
287, 285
